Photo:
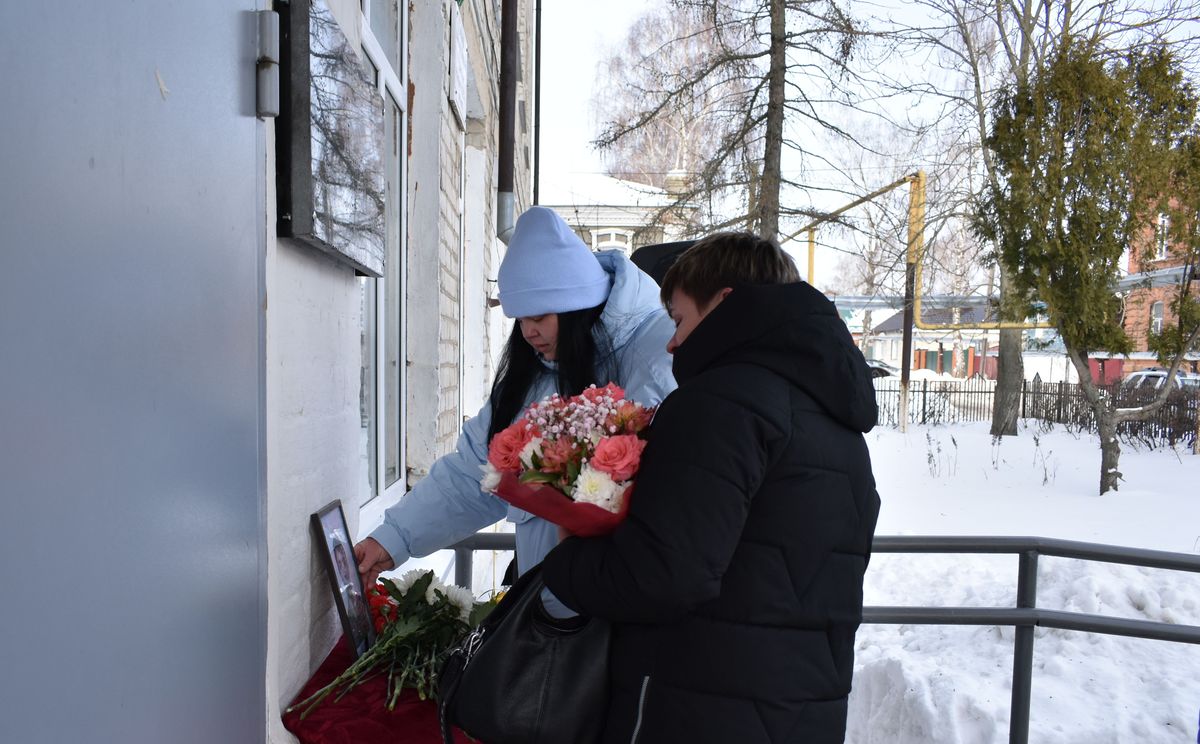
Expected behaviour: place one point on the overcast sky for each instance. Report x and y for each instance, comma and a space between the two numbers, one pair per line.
576, 36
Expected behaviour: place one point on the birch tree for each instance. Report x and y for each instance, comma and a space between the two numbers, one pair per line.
730, 76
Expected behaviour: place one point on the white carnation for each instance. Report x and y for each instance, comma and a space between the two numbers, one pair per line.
491, 477
531, 448
596, 487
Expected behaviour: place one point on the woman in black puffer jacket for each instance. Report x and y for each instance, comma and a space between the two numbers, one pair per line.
735, 583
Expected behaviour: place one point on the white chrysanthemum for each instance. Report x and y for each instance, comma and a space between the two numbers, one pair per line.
405, 582
435, 586
462, 599
595, 487
533, 447
490, 479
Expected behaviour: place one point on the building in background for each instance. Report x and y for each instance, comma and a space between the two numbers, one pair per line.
608, 212
1156, 267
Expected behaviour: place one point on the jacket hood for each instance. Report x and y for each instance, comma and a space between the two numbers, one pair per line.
794, 331
632, 301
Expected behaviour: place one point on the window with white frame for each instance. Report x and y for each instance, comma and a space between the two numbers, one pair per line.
1156, 317
384, 40
609, 237
1162, 238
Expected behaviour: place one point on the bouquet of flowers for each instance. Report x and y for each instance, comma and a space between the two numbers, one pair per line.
571, 461
418, 619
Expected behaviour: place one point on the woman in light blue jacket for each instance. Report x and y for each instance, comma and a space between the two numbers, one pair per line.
582, 318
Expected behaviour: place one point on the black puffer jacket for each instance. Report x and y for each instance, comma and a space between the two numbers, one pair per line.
736, 581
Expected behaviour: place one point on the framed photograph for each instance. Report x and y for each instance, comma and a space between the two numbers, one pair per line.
337, 552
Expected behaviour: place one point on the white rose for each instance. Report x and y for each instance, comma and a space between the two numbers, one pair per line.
596, 487
491, 477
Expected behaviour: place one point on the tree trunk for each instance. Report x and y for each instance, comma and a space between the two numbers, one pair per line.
1010, 372
1009, 376
1110, 448
1107, 419
768, 201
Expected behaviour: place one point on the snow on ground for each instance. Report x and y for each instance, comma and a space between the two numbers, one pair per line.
952, 684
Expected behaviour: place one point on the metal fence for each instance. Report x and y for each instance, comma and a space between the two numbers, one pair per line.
1024, 617
960, 401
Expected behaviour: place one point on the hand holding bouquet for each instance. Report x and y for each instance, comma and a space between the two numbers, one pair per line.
571, 461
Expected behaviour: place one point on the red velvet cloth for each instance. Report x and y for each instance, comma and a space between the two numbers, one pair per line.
551, 504
361, 716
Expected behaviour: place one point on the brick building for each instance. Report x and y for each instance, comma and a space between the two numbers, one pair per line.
1156, 266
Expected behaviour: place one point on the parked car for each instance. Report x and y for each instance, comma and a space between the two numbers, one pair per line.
1154, 377
881, 369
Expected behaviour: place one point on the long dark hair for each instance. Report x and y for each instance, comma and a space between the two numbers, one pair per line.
583, 345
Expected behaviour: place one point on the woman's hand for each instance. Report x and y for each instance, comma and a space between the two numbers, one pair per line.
372, 560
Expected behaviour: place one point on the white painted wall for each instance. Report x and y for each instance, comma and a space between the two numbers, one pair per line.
428, 54
313, 358
1051, 367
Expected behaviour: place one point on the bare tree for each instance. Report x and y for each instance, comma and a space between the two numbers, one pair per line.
726, 78
978, 47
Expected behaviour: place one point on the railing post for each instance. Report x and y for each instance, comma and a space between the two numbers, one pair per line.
464, 559
1022, 684
924, 400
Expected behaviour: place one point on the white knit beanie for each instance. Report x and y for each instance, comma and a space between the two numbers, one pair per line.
548, 269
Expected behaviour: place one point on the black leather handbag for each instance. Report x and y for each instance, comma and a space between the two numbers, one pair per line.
523, 677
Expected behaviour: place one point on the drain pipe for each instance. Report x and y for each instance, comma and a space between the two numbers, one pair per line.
537, 105
509, 50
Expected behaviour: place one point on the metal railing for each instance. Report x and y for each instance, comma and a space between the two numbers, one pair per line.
1024, 617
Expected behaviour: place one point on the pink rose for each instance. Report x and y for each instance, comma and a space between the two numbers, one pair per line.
504, 452
618, 456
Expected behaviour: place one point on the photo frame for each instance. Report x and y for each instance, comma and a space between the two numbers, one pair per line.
337, 553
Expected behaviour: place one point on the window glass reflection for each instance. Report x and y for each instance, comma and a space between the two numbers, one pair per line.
347, 144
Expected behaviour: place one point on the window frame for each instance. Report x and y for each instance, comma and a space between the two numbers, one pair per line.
1157, 308
1162, 238
392, 86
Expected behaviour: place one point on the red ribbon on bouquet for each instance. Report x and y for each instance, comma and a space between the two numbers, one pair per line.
549, 503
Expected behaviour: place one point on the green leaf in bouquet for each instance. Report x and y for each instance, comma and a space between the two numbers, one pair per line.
573, 468
480, 611
537, 476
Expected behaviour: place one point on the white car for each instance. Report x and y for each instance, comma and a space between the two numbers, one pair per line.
1153, 378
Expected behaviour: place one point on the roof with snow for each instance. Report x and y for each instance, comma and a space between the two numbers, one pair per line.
597, 190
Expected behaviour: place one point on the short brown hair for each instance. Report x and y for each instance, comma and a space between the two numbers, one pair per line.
726, 259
